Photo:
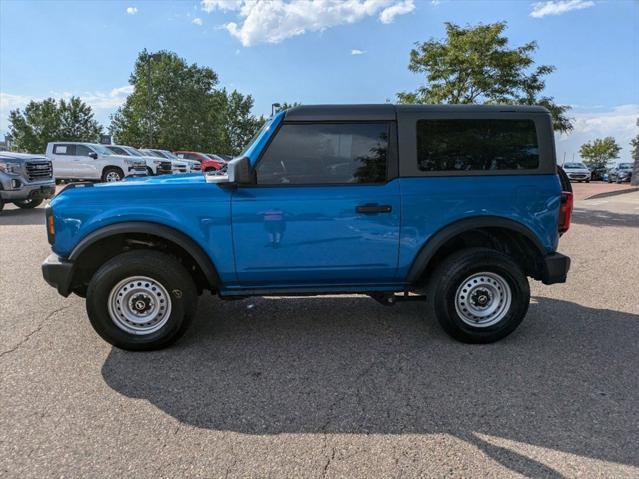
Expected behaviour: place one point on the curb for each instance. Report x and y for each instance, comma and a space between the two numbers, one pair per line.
612, 193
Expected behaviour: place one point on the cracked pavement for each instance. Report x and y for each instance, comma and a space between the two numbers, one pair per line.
329, 387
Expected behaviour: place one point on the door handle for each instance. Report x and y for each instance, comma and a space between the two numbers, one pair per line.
372, 208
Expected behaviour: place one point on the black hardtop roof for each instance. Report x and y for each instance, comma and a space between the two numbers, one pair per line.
387, 111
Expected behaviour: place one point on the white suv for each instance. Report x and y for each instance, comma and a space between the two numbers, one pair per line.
154, 165
192, 166
91, 161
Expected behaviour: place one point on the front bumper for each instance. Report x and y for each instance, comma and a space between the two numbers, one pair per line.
27, 191
58, 273
579, 176
556, 268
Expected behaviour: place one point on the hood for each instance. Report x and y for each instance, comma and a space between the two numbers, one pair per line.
155, 181
20, 157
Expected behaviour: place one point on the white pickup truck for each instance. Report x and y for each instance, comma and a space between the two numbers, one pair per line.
91, 161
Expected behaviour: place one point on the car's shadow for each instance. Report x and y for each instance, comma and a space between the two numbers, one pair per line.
601, 218
566, 379
18, 216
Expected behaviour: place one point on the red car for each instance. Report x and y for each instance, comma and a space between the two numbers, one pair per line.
208, 162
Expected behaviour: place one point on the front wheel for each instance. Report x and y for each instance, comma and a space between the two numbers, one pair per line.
28, 204
111, 174
479, 295
141, 300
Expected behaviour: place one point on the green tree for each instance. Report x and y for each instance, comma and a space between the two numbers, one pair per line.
239, 124
185, 110
597, 153
634, 143
51, 120
475, 64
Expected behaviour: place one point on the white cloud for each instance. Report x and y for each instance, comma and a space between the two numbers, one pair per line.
197, 21
355, 51
557, 7
272, 21
618, 122
103, 103
209, 5
401, 8
132, 10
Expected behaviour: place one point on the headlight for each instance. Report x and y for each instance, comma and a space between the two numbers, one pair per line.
157, 162
9, 167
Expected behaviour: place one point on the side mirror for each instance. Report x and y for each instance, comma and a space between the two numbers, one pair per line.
241, 172
93, 155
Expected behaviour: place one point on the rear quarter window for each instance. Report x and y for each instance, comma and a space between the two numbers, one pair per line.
458, 145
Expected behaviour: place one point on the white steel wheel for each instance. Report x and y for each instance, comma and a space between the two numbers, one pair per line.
139, 305
483, 299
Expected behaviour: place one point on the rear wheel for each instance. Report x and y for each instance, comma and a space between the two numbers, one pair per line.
112, 173
479, 295
28, 204
141, 300
1, 204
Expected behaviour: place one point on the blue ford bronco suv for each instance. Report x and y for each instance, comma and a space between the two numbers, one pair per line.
455, 205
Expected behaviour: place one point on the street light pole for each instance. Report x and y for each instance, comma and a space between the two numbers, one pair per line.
151, 56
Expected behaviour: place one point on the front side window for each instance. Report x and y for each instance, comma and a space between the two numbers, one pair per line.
477, 145
326, 153
81, 150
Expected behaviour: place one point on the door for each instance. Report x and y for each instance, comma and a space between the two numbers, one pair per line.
324, 211
86, 167
62, 160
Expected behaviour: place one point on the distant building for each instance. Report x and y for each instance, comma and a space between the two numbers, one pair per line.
7, 143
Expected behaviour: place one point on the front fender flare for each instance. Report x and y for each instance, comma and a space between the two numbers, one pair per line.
162, 231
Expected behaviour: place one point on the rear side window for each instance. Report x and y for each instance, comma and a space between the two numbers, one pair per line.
64, 150
326, 153
477, 145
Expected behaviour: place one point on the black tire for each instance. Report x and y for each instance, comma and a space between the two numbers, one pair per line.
159, 267
449, 277
28, 204
1, 204
587, 181
110, 172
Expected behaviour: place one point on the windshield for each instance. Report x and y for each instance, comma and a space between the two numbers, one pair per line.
159, 154
167, 154
214, 157
575, 165
255, 137
625, 166
102, 150
132, 151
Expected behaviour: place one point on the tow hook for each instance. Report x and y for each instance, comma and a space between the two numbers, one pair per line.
390, 299
385, 299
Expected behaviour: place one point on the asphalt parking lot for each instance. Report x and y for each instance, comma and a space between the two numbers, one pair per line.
329, 387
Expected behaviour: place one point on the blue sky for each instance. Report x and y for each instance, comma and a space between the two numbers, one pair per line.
299, 50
